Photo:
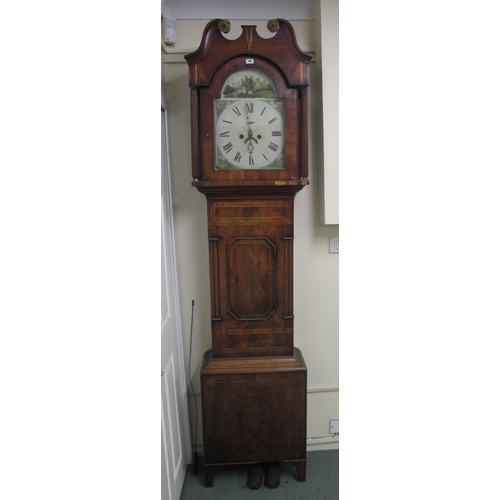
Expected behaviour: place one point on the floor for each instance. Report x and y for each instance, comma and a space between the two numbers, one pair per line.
230, 482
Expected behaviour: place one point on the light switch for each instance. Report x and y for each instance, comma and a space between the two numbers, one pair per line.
334, 244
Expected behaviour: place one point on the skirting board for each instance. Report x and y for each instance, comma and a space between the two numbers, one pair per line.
323, 443
311, 445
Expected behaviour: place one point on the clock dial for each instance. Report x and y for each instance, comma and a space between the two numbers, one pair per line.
249, 134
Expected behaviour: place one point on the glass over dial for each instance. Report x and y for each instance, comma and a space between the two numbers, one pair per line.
249, 134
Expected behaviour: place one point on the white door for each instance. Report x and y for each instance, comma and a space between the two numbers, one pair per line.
175, 443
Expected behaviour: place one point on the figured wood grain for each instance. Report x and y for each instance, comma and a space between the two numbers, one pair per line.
253, 275
304, 143
252, 278
195, 139
282, 50
288, 264
254, 410
247, 212
213, 253
253, 380
258, 413
215, 365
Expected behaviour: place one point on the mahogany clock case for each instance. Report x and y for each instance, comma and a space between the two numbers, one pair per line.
253, 380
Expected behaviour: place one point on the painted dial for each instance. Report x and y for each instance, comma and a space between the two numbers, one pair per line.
249, 134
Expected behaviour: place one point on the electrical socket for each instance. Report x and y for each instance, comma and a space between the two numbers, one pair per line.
334, 244
334, 426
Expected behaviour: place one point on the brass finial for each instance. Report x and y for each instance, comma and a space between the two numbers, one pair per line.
225, 26
273, 26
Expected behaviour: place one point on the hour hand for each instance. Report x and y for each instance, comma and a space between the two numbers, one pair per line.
251, 138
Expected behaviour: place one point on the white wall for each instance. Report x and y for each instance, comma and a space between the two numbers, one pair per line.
327, 55
231, 9
316, 271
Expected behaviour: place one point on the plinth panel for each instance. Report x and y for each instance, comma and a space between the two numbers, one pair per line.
252, 422
254, 411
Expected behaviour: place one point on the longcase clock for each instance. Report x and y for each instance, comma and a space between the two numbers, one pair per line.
249, 129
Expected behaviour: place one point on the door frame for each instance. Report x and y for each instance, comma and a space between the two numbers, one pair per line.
176, 359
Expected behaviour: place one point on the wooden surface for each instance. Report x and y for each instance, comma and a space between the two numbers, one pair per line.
209, 67
254, 410
251, 276
253, 381
282, 50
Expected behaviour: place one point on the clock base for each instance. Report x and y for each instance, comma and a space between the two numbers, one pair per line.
254, 411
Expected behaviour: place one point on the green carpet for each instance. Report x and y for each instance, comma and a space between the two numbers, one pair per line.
231, 482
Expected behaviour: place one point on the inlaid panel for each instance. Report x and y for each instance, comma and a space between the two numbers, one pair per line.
252, 278
251, 212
